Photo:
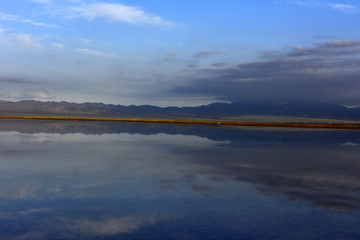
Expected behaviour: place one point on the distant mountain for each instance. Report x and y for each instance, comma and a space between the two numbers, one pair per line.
214, 110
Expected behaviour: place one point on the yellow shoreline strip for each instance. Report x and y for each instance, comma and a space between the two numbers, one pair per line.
219, 123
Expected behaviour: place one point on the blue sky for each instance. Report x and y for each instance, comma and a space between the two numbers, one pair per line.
180, 52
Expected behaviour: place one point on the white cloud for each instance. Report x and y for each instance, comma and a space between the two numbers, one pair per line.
19, 40
41, 1
8, 17
17, 18
336, 6
2, 35
35, 94
171, 53
341, 7
119, 13
337, 43
301, 3
89, 43
25, 40
41, 24
95, 53
58, 45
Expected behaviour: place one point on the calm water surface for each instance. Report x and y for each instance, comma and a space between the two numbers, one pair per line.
72, 180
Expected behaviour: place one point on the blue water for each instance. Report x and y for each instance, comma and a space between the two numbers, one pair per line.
71, 180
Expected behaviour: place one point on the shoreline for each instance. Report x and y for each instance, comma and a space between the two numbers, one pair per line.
196, 122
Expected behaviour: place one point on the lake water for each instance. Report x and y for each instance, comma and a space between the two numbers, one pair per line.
89, 180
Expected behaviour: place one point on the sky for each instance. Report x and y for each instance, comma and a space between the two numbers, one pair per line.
180, 52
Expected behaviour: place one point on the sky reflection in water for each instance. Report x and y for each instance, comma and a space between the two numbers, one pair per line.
67, 180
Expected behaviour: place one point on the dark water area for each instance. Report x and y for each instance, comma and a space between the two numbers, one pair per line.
89, 180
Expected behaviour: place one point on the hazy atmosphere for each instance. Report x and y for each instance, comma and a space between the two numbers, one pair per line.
181, 53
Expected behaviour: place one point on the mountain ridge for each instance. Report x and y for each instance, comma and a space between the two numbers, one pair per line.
210, 111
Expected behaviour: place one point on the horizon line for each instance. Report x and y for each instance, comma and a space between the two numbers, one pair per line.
195, 122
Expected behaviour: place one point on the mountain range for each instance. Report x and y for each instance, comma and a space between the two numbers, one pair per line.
211, 111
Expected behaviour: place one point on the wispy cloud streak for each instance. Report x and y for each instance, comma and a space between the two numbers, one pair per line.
341, 7
95, 53
18, 18
336, 6
118, 13
41, 1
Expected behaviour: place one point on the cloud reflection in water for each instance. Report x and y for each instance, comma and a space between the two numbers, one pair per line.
146, 180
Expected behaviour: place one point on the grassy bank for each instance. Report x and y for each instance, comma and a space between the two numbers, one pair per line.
197, 122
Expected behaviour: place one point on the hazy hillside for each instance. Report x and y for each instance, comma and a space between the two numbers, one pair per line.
214, 110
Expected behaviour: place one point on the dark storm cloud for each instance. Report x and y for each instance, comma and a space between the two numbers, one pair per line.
328, 72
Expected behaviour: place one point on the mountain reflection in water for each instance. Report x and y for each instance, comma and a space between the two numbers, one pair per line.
89, 180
